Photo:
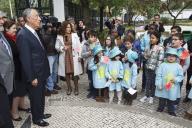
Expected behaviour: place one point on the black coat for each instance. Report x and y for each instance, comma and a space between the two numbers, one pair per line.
16, 59
33, 56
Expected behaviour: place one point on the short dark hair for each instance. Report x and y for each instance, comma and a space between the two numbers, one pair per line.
157, 15
178, 28
179, 35
92, 33
128, 39
8, 24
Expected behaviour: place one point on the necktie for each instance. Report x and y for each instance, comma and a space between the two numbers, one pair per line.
38, 39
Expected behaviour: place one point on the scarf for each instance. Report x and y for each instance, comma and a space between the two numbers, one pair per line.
11, 37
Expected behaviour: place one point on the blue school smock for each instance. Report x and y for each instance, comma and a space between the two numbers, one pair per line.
98, 73
165, 72
114, 69
130, 76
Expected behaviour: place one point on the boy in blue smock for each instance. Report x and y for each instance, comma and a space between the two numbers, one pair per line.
114, 73
97, 66
168, 78
130, 76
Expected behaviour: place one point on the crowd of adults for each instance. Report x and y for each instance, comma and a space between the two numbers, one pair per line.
33, 58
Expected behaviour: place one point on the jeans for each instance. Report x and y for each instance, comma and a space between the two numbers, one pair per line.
53, 64
91, 87
150, 82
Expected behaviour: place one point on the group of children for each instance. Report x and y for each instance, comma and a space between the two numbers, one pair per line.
109, 68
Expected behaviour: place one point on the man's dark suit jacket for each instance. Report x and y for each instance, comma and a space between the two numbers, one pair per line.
33, 57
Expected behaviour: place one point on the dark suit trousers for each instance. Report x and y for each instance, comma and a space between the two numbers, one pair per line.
5, 115
37, 101
188, 86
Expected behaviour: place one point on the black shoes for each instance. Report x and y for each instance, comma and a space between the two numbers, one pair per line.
45, 116
56, 87
42, 123
48, 92
17, 119
172, 113
186, 100
27, 110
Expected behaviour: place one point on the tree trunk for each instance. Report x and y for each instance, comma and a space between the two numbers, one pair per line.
101, 18
174, 21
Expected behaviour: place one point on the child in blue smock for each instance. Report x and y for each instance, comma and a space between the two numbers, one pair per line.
98, 69
168, 78
130, 76
114, 73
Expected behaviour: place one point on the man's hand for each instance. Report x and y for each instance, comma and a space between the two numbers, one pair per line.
34, 83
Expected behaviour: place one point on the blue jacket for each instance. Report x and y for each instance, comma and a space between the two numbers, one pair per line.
165, 73
130, 76
98, 73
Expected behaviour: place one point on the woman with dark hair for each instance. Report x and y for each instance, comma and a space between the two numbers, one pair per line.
69, 46
19, 86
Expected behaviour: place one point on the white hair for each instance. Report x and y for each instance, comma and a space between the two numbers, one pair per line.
2, 14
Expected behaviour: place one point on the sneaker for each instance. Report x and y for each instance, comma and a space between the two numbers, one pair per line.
56, 87
151, 100
143, 99
119, 102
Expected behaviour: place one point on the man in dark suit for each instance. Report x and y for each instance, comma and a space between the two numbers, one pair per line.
35, 64
6, 78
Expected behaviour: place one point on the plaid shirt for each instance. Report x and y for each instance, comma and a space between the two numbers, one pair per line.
155, 58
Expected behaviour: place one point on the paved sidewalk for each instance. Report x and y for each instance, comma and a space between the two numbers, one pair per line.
79, 112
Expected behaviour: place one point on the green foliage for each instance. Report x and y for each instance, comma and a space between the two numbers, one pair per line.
102, 35
165, 20
4, 6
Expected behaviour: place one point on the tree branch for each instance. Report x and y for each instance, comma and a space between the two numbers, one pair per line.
168, 9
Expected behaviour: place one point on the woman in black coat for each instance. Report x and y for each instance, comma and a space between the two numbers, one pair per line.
17, 97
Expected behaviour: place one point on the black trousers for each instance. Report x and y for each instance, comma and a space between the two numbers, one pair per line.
150, 83
188, 86
37, 101
144, 76
5, 115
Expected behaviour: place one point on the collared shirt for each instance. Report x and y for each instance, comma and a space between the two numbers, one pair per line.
34, 33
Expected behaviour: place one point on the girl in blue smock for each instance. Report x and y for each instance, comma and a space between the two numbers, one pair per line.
168, 78
109, 44
130, 76
114, 73
98, 68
